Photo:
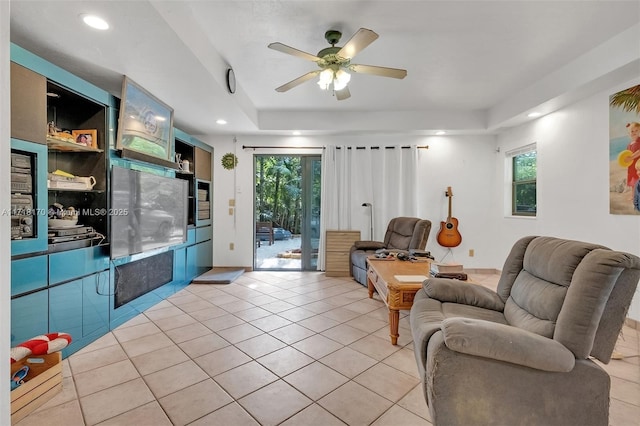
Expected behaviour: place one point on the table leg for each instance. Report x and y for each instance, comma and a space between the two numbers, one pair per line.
394, 319
370, 288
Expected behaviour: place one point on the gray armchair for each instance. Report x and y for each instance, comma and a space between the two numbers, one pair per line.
521, 355
403, 233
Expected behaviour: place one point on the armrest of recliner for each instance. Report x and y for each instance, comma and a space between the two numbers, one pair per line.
368, 245
506, 343
454, 291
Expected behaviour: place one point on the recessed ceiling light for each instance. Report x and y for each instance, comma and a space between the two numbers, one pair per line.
221, 121
95, 22
441, 132
534, 114
296, 133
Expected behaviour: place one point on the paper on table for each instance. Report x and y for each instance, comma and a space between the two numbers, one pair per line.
410, 278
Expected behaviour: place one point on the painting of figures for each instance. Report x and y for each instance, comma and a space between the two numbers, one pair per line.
624, 151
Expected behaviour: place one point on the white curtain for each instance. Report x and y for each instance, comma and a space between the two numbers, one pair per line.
383, 176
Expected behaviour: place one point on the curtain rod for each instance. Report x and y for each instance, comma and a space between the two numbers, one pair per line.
323, 147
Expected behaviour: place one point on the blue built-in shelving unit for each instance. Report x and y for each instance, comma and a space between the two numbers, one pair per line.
75, 290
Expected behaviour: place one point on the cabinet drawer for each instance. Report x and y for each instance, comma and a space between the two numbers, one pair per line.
341, 240
28, 274
71, 264
191, 236
29, 316
203, 234
336, 259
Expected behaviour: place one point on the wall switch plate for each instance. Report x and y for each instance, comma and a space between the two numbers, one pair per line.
230, 211
472, 252
231, 246
232, 202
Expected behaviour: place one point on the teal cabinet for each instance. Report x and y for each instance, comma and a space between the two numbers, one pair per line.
28, 274
80, 308
29, 316
65, 314
203, 234
67, 265
180, 265
204, 258
192, 267
95, 305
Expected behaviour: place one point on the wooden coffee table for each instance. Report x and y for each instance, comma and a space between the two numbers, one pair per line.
395, 294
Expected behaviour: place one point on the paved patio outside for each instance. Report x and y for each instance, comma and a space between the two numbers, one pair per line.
267, 256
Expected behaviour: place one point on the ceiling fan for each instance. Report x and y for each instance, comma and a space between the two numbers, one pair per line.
335, 63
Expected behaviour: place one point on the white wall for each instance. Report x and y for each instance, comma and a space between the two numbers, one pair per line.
5, 205
464, 163
573, 181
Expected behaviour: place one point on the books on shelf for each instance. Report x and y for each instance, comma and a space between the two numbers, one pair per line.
439, 268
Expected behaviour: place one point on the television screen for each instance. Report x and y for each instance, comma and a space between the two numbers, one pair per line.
145, 123
147, 211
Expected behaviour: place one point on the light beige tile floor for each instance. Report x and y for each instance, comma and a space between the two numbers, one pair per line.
272, 348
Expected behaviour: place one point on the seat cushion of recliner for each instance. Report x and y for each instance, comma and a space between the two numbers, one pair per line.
427, 315
451, 310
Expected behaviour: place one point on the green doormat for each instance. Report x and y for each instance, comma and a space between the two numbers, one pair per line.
218, 276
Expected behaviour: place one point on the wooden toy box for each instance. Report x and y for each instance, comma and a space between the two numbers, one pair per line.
42, 383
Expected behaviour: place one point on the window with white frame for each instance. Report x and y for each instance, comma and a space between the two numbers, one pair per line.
523, 162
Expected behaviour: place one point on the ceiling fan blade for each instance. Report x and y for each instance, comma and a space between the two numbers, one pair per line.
343, 94
292, 51
298, 81
381, 71
361, 39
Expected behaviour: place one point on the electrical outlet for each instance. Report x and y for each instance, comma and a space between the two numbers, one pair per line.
231, 246
472, 252
232, 202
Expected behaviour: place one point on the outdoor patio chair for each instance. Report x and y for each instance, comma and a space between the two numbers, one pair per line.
264, 232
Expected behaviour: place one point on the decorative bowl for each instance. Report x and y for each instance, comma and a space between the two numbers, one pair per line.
63, 223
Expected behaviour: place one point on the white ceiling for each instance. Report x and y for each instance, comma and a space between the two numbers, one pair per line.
473, 66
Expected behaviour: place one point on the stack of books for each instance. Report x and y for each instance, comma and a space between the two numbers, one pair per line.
446, 268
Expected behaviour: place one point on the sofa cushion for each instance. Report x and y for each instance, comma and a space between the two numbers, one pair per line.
587, 297
534, 304
446, 290
538, 292
368, 245
555, 260
505, 343
450, 310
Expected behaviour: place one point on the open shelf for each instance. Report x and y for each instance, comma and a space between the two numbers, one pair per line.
97, 191
63, 146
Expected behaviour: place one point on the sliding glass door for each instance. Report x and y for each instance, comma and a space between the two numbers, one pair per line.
287, 211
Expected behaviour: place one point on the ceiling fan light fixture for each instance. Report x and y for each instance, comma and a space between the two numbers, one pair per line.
326, 77
335, 63
341, 80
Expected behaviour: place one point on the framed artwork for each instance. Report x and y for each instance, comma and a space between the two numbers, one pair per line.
86, 137
624, 152
146, 123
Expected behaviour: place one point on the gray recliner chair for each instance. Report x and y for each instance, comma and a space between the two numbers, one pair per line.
522, 354
403, 234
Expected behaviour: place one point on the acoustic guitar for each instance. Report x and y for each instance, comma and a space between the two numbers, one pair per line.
449, 236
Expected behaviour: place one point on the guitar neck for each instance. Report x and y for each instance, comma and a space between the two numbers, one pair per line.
449, 216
